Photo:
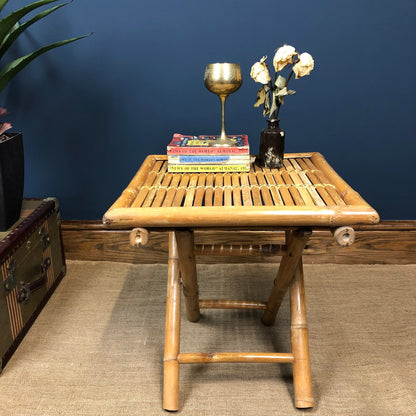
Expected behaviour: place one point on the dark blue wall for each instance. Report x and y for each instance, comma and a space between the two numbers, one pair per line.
91, 111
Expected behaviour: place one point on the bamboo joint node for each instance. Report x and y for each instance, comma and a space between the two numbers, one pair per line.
166, 360
139, 237
299, 326
344, 236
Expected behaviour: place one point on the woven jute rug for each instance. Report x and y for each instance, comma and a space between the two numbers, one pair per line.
97, 347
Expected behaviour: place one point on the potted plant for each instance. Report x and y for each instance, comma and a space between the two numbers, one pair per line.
11, 145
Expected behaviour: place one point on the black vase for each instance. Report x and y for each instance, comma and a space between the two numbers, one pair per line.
272, 145
11, 178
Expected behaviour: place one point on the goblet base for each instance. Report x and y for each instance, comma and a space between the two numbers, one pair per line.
221, 142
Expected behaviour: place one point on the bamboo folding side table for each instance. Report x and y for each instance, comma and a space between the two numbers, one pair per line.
306, 194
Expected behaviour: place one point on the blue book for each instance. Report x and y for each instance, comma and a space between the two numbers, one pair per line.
203, 159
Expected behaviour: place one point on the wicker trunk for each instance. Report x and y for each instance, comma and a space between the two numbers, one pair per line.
32, 264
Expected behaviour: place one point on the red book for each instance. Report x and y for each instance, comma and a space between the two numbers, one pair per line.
205, 145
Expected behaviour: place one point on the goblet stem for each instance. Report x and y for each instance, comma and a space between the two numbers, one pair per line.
223, 98
223, 139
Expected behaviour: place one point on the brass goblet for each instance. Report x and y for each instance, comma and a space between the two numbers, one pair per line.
223, 79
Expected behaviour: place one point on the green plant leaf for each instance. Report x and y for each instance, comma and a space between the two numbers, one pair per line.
20, 28
274, 103
2, 4
280, 95
13, 68
280, 82
282, 92
9, 21
266, 107
261, 96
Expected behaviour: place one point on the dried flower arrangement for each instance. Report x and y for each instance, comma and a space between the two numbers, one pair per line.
272, 94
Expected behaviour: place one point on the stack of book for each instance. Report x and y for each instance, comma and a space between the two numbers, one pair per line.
199, 154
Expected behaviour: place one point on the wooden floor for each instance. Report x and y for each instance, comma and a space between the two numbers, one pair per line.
390, 242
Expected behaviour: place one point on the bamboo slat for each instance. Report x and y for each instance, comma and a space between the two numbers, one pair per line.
307, 182
161, 192
255, 191
228, 197
189, 199
235, 180
155, 186
320, 187
324, 181
181, 191
218, 191
283, 188
293, 189
245, 189
171, 191
294, 176
277, 199
264, 188
155, 175
199, 194
209, 189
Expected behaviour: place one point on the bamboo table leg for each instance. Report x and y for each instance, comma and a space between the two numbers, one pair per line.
186, 253
290, 274
172, 330
296, 243
302, 381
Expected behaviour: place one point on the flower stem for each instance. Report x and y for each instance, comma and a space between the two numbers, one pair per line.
279, 105
290, 76
277, 112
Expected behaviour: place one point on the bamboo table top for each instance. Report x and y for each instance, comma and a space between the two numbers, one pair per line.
305, 192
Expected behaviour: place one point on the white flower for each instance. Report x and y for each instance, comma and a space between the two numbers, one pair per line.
304, 66
259, 71
284, 55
